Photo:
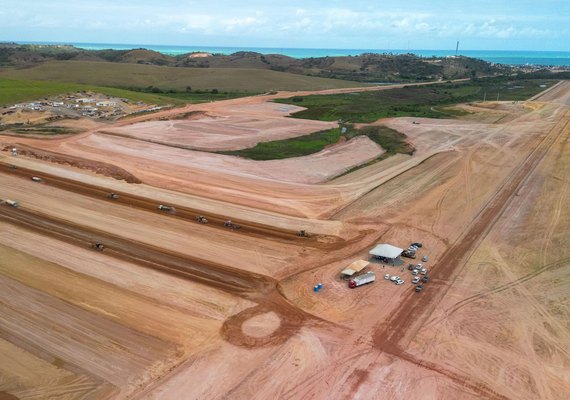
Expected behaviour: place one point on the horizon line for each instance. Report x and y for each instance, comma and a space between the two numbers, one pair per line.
70, 43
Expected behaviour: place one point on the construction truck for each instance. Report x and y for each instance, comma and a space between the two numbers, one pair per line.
163, 207
363, 279
11, 203
409, 253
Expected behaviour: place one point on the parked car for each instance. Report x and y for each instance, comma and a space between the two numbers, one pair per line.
416, 280
387, 276
419, 288
399, 282
423, 271
425, 279
394, 278
425, 258
419, 266
415, 272
411, 267
417, 244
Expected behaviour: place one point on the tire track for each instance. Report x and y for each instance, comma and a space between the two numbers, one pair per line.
468, 300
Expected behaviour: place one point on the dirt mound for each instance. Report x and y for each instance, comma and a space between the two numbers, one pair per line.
94, 166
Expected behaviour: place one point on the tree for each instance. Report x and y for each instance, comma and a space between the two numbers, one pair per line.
188, 89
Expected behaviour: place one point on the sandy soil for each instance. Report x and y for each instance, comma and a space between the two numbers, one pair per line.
175, 309
233, 129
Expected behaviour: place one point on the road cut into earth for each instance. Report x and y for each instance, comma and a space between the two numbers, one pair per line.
137, 262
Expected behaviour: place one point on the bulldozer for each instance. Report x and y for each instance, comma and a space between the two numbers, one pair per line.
231, 225
98, 246
201, 219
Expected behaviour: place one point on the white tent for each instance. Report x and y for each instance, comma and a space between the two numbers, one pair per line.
386, 251
355, 267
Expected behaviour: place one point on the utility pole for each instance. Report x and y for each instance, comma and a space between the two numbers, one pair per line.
456, 48
484, 97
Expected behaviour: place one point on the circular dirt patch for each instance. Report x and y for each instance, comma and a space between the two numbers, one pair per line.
261, 325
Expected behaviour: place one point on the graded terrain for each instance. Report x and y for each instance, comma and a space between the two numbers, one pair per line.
167, 307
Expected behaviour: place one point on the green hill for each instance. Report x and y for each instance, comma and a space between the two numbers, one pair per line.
129, 75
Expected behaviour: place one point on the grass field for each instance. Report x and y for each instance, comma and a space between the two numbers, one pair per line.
15, 91
418, 101
390, 140
171, 78
287, 148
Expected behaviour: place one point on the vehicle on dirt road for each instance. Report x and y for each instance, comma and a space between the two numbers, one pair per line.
419, 288
400, 282
415, 272
411, 267
423, 271
37, 179
11, 203
394, 278
113, 196
163, 207
417, 244
387, 276
425, 279
416, 280
363, 279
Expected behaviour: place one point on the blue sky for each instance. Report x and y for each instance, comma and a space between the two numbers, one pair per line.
385, 24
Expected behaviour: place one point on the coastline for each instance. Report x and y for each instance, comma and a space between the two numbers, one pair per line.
508, 57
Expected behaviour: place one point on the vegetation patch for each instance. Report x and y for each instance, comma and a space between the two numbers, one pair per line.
45, 130
416, 101
16, 91
390, 140
287, 148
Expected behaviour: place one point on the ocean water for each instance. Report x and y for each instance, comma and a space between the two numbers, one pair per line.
551, 58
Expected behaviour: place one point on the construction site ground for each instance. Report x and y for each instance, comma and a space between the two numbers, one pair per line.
172, 308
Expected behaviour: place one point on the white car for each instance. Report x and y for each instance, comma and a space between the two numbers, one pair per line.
419, 266
416, 280
395, 278
424, 271
415, 272
400, 282
387, 276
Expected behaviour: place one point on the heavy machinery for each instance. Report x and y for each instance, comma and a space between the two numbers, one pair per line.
303, 233
37, 179
98, 246
363, 279
201, 219
231, 225
11, 203
113, 196
163, 207
409, 253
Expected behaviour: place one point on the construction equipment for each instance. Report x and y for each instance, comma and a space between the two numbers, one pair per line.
11, 203
37, 179
303, 233
363, 279
98, 246
163, 207
201, 219
113, 196
231, 225
409, 253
